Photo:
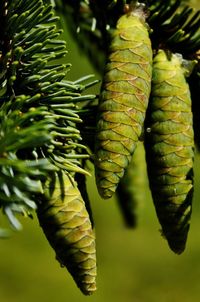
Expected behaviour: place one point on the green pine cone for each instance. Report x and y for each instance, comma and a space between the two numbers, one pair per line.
131, 191
123, 100
170, 149
66, 224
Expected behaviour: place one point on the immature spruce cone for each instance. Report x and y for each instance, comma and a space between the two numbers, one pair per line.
170, 148
123, 100
66, 224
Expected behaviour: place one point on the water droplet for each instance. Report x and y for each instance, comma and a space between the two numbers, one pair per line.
148, 130
60, 261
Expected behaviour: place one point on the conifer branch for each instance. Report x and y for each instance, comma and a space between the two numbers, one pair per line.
39, 106
174, 25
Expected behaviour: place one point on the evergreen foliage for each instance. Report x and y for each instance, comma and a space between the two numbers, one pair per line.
38, 117
39, 109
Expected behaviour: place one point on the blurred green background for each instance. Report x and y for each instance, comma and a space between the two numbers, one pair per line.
133, 265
